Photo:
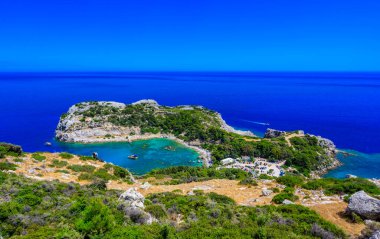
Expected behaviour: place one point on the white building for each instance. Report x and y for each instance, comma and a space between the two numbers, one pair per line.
227, 161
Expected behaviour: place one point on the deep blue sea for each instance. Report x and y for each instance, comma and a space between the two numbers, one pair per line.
342, 107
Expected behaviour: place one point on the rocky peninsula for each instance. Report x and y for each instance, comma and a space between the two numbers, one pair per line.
80, 125
199, 128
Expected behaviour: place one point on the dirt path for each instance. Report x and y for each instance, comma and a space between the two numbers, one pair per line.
333, 213
288, 137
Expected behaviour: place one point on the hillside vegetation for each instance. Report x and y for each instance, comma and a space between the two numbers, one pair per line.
39, 209
198, 126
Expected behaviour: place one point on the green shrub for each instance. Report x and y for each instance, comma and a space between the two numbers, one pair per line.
29, 199
82, 168
8, 166
221, 198
265, 177
95, 219
356, 218
107, 166
120, 172
58, 164
187, 174
279, 198
18, 160
65, 155
99, 184
103, 174
38, 157
156, 210
86, 158
10, 150
86, 176
290, 181
342, 186
62, 171
248, 181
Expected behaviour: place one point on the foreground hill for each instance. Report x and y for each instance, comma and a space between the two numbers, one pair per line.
45, 195
196, 126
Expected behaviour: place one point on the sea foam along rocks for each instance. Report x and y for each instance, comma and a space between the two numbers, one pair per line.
364, 205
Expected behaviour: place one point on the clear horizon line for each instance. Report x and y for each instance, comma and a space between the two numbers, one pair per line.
192, 71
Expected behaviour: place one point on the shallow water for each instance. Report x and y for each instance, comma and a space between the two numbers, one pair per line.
151, 154
357, 163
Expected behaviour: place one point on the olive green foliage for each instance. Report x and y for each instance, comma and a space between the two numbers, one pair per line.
120, 172
279, 198
62, 171
36, 209
265, 176
216, 216
65, 155
58, 163
290, 180
248, 181
19, 160
187, 174
82, 168
7, 149
86, 158
110, 172
342, 186
7, 166
38, 157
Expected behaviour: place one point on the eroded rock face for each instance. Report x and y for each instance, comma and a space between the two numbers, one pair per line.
273, 133
365, 206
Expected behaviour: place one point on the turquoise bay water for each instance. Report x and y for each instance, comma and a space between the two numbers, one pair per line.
151, 154
357, 163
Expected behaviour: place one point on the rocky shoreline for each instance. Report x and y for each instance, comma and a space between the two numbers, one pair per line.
71, 128
87, 123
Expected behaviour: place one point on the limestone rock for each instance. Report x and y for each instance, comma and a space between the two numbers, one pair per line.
132, 198
364, 206
145, 185
375, 235
273, 133
287, 202
266, 192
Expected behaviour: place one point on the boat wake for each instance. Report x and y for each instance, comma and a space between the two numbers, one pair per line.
256, 122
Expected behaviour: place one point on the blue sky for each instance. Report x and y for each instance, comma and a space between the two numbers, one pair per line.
196, 35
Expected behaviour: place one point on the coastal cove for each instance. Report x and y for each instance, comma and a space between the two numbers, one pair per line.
152, 153
343, 108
